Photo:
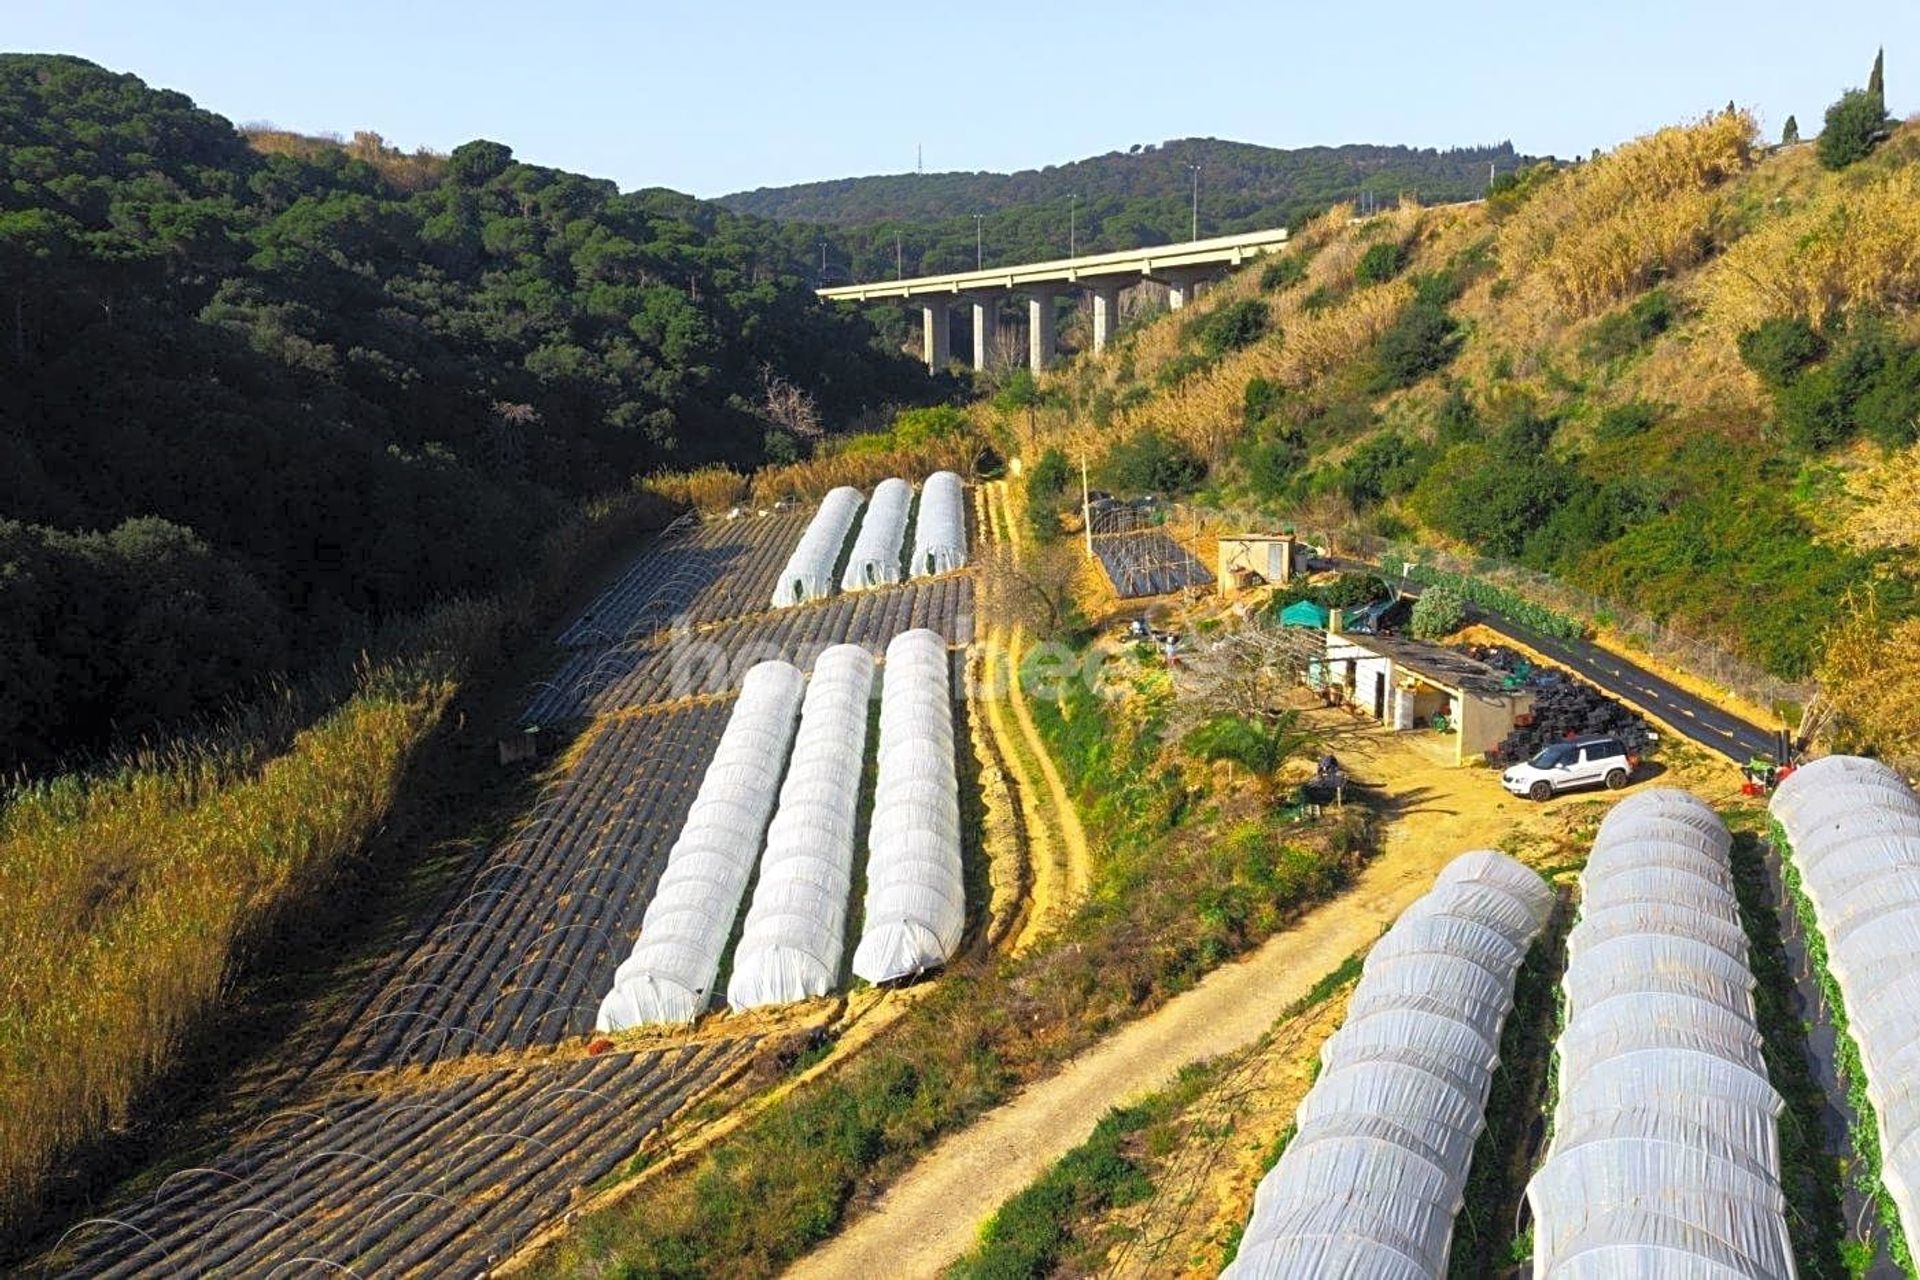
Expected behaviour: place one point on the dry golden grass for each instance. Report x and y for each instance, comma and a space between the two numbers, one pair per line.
1608, 229
126, 900
1846, 246
408, 171
814, 477
1868, 674
1887, 491
708, 490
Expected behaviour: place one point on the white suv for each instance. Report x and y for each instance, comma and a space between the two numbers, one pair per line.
1566, 766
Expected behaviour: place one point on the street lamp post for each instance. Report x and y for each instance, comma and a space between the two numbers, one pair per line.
1195, 233
1073, 236
979, 259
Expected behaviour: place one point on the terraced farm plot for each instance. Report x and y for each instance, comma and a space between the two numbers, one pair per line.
440, 1180
702, 571
670, 666
1149, 563
525, 955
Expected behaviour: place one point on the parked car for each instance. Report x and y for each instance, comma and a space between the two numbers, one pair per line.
1571, 765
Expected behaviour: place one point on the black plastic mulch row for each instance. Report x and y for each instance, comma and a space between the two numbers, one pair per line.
678, 665
439, 1180
714, 570
524, 957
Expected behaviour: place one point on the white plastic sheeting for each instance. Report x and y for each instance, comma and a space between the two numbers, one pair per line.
670, 975
1854, 828
795, 933
940, 528
916, 893
1666, 1156
809, 571
1374, 1175
875, 561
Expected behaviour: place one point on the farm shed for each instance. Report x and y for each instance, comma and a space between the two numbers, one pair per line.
916, 890
1854, 830
796, 928
1262, 557
809, 571
940, 527
670, 975
1405, 684
875, 561
1665, 1157
1377, 1168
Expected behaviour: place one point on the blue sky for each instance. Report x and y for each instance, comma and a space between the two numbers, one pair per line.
715, 97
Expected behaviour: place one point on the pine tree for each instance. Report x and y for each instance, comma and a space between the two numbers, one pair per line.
1790, 132
1877, 79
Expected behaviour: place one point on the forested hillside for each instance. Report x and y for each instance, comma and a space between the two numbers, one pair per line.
1684, 376
254, 399
1125, 199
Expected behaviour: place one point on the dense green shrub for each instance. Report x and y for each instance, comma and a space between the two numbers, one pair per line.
1439, 612
1380, 263
1240, 324
915, 427
1870, 383
1049, 477
1275, 461
1455, 421
1855, 124
1625, 421
1384, 466
1151, 462
1494, 498
1284, 271
1261, 399
1780, 349
1621, 333
1421, 340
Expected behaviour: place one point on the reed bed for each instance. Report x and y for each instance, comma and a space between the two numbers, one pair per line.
812, 478
1847, 246
1610, 228
128, 899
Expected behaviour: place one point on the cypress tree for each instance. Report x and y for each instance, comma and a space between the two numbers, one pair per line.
1877, 79
1790, 132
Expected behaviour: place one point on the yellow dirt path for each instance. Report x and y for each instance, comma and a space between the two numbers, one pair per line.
934, 1212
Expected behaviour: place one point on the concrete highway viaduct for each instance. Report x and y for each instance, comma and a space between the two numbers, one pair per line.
1178, 266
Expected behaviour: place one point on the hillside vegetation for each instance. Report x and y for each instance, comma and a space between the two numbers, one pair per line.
259, 392
1684, 376
1125, 199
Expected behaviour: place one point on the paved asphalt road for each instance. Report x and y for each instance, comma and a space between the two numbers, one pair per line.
1703, 722
1700, 720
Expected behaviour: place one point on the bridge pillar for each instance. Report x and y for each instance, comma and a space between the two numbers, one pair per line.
1106, 315
986, 327
935, 340
1040, 330
1182, 286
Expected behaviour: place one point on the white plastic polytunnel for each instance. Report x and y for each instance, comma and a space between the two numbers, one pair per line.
1375, 1172
809, 571
1665, 1157
916, 893
795, 933
670, 975
1853, 830
876, 548
940, 527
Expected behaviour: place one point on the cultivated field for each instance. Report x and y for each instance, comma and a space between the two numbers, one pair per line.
442, 1178
525, 953
712, 660
451, 1118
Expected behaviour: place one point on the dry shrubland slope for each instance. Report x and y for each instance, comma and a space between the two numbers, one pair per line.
1683, 375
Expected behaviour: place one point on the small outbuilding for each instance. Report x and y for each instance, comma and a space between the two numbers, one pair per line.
1410, 684
1249, 559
